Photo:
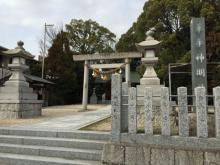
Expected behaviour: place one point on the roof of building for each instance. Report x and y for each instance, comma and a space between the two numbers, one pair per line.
3, 48
5, 73
37, 79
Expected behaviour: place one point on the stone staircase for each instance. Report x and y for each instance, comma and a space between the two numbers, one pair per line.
32, 147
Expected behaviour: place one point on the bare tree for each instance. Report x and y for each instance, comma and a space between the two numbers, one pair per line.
51, 33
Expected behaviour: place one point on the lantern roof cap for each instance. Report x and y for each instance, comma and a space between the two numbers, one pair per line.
149, 42
19, 51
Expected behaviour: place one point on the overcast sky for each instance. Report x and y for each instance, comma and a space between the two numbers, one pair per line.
24, 19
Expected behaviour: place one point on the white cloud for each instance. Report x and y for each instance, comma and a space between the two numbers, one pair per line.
9, 3
24, 19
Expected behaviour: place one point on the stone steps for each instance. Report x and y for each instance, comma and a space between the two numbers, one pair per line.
61, 152
17, 159
20, 146
90, 135
53, 142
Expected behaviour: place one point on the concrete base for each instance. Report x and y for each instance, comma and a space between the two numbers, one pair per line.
116, 154
17, 99
150, 81
20, 110
156, 93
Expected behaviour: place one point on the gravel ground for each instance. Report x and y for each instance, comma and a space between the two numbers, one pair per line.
105, 125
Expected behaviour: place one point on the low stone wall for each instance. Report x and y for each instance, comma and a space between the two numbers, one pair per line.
189, 145
20, 110
124, 154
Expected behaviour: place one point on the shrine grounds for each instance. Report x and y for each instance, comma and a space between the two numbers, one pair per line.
53, 113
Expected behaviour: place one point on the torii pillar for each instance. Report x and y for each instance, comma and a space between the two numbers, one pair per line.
103, 56
127, 72
85, 85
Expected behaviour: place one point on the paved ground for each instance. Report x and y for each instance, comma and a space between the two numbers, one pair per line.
70, 122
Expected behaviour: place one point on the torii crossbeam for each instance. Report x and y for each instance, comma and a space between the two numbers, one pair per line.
104, 56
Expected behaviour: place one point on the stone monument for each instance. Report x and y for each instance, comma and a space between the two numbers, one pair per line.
17, 99
198, 55
93, 98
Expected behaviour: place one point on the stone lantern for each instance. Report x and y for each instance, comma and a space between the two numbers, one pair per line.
148, 48
18, 64
17, 99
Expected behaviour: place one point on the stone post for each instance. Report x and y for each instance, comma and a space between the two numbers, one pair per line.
132, 110
148, 108
216, 93
201, 112
183, 112
165, 111
85, 85
116, 101
127, 72
124, 107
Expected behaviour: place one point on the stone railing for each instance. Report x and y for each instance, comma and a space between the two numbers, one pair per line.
125, 102
4, 75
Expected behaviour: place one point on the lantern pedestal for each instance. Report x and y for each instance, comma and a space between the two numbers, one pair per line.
150, 76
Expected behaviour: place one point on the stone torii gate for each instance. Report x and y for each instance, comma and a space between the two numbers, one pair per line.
103, 56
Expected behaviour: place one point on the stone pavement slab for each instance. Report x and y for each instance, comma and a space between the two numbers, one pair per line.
72, 122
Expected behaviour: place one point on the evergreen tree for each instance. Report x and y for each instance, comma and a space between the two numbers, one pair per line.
61, 69
170, 21
88, 37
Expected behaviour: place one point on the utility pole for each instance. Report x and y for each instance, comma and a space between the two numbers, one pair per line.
44, 50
